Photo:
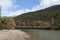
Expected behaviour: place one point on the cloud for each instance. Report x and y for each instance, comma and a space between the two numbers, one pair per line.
48, 3
5, 4
43, 4
19, 12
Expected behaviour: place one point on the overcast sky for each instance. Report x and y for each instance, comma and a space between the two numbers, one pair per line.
17, 7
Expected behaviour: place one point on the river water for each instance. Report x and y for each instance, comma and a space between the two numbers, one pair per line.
37, 34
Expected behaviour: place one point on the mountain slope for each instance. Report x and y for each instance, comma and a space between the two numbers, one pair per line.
51, 14
37, 15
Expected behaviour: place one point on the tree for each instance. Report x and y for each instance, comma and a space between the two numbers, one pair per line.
7, 22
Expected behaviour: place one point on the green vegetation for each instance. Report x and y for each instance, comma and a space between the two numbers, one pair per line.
7, 23
49, 15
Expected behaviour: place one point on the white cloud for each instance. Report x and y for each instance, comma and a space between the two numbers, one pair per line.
48, 3
19, 12
5, 4
43, 4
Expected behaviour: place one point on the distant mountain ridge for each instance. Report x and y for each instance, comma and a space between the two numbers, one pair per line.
50, 14
53, 9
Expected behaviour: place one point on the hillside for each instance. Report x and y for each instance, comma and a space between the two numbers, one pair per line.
50, 14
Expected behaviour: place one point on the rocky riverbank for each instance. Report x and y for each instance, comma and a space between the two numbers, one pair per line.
13, 35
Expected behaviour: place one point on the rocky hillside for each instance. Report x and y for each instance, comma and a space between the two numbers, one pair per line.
49, 15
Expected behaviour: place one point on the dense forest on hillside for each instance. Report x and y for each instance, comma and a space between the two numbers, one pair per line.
49, 15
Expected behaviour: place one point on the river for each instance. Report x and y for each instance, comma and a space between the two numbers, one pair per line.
38, 34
